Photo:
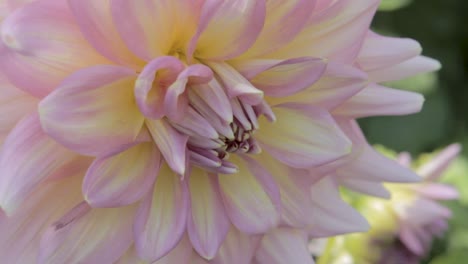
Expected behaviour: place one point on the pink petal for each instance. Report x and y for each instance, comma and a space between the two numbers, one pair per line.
376, 100
182, 253
161, 219
43, 45
380, 52
212, 96
124, 178
332, 215
284, 245
371, 188
336, 32
438, 191
176, 101
28, 157
235, 84
95, 21
174, 21
280, 78
149, 93
250, 197
21, 232
438, 164
93, 112
86, 235
283, 22
410, 240
208, 223
335, 86
227, 28
14, 105
237, 248
171, 143
303, 136
405, 69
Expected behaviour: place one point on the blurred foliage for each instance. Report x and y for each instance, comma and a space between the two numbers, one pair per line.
441, 28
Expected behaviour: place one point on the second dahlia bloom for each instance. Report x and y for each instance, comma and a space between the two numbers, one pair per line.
186, 131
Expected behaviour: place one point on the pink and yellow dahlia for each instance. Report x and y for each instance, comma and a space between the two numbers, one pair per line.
188, 131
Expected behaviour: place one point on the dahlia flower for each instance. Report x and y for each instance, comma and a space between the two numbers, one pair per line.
402, 228
187, 131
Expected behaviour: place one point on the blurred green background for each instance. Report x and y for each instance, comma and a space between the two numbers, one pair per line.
441, 26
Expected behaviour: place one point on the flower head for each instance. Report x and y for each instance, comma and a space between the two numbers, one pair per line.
178, 126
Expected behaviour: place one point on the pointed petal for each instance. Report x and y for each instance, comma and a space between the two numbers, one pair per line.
336, 32
95, 21
251, 197
227, 28
28, 157
335, 86
332, 215
161, 219
284, 245
174, 21
410, 240
303, 136
405, 69
93, 112
213, 96
208, 223
283, 22
124, 178
366, 187
280, 78
170, 142
380, 52
376, 100
438, 164
234, 243
21, 232
42, 45
86, 235
149, 91
438, 191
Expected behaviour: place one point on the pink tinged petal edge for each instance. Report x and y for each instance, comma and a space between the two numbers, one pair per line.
280, 78
176, 100
235, 84
227, 28
333, 216
371, 188
150, 95
95, 21
251, 197
303, 136
86, 235
171, 144
411, 241
339, 83
284, 245
41, 45
175, 22
236, 242
93, 112
405, 69
161, 219
283, 22
377, 100
438, 191
182, 253
28, 157
21, 232
208, 223
365, 163
438, 164
380, 52
124, 178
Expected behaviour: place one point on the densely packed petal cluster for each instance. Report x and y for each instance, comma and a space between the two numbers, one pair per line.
187, 131
404, 227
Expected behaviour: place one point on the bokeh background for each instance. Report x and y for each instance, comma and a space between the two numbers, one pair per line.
441, 26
